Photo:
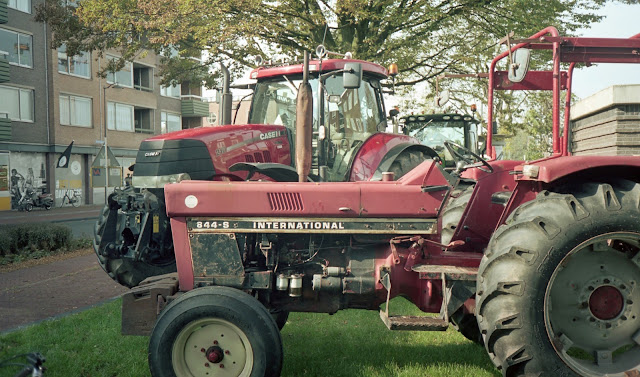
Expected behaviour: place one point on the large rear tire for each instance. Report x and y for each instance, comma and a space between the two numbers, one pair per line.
462, 321
453, 212
215, 329
406, 161
558, 287
124, 270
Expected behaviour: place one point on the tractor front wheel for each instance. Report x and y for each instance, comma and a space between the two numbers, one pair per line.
215, 331
558, 290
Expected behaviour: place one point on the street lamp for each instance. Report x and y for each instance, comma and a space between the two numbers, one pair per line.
105, 127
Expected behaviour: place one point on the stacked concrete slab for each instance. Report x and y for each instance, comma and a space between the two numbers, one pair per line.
607, 123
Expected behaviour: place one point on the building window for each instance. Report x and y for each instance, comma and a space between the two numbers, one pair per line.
17, 103
119, 117
143, 120
170, 122
21, 5
143, 77
170, 91
212, 118
75, 111
18, 46
77, 65
123, 77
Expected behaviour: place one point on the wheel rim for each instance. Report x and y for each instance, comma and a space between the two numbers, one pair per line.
212, 347
592, 306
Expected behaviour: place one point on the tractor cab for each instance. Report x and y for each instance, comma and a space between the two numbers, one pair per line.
344, 115
433, 130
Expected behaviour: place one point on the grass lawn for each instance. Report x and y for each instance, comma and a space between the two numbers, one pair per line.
349, 343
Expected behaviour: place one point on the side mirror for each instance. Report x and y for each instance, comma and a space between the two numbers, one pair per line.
393, 112
352, 75
520, 65
442, 98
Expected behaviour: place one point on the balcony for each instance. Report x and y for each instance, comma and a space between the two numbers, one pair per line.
4, 66
5, 127
4, 18
192, 106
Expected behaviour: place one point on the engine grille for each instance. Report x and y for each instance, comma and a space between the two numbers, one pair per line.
285, 201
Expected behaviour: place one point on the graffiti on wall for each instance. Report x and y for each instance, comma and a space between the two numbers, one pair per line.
28, 173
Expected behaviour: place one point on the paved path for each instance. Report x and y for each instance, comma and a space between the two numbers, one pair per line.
37, 293
89, 212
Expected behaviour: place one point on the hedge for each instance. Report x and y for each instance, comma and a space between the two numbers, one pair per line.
30, 238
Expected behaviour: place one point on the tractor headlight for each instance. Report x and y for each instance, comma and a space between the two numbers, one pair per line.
531, 171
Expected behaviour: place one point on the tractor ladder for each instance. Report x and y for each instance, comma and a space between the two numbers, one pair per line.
458, 284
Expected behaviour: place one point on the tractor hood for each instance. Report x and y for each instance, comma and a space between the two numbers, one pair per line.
206, 153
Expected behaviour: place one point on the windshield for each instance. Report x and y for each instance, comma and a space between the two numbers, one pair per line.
349, 116
274, 102
353, 111
435, 133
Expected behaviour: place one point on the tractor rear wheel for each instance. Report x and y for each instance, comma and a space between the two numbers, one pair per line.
212, 330
124, 270
453, 212
558, 289
464, 322
406, 161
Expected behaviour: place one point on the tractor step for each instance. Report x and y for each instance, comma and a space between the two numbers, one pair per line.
413, 323
428, 271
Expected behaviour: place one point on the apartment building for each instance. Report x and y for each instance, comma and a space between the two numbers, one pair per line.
51, 99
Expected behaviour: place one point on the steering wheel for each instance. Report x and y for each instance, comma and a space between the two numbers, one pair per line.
460, 153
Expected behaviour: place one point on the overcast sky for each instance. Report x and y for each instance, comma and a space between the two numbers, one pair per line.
621, 21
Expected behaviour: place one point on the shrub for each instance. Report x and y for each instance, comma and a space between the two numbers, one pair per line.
34, 238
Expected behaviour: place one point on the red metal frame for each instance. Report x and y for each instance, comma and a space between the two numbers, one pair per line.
565, 50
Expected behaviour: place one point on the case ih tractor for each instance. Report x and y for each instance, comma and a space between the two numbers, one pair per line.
133, 237
538, 260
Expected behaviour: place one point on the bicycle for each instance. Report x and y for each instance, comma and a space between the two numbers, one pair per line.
32, 368
74, 199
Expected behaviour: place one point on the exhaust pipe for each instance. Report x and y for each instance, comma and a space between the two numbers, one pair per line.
304, 124
224, 113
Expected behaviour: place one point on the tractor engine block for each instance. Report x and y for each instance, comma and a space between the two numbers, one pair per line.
294, 272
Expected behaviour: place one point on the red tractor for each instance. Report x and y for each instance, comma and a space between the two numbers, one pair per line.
538, 260
133, 237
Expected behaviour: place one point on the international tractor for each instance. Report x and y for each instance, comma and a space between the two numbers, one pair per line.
538, 260
133, 238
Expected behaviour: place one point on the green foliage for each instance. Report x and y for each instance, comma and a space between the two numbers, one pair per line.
349, 343
425, 37
22, 241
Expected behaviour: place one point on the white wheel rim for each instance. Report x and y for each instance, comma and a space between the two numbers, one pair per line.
189, 351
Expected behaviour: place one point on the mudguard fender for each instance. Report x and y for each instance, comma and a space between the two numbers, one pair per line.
394, 152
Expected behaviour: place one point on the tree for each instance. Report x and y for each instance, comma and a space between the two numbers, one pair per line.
425, 37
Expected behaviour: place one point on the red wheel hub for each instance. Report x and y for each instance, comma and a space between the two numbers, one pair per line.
606, 302
215, 354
